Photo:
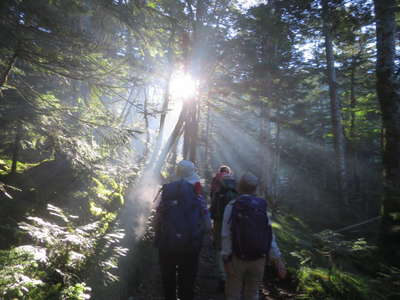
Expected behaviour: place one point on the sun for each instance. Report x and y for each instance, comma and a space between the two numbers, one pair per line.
182, 86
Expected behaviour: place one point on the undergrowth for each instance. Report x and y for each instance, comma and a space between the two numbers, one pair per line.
55, 265
5, 166
328, 266
60, 253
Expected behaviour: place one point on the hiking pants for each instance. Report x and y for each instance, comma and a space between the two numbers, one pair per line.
178, 270
246, 276
217, 226
220, 266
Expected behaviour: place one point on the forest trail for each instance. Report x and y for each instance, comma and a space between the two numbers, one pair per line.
142, 279
304, 94
207, 281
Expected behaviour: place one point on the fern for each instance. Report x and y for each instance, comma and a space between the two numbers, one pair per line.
55, 265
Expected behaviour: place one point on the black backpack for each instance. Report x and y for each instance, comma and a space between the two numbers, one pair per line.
251, 232
226, 193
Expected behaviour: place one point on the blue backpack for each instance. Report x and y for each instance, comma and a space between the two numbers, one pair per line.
251, 232
179, 219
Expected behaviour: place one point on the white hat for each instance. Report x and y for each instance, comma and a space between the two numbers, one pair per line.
187, 171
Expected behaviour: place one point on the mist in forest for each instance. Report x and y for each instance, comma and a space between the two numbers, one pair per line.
101, 99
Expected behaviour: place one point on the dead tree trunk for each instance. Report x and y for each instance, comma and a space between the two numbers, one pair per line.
166, 100
173, 138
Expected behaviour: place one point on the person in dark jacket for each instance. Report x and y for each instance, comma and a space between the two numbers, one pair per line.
219, 186
179, 264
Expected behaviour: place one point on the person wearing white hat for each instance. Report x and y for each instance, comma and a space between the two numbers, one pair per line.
181, 220
187, 170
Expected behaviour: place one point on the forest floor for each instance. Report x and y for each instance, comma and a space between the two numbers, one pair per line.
207, 281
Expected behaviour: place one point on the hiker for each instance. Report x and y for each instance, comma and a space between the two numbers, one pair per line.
247, 242
223, 190
181, 220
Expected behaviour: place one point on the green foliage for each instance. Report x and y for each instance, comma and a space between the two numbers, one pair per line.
69, 244
5, 166
328, 266
319, 283
108, 190
19, 273
78, 291
56, 263
388, 280
77, 82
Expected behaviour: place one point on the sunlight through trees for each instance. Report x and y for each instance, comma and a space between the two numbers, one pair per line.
99, 99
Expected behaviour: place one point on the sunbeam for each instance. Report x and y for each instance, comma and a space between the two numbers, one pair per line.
183, 86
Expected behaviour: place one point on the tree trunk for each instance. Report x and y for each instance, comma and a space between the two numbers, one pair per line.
339, 141
10, 64
265, 154
164, 109
207, 160
388, 91
146, 123
277, 161
17, 140
194, 131
353, 100
353, 164
173, 138
186, 130
190, 131
172, 160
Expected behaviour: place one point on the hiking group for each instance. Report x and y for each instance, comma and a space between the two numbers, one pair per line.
238, 222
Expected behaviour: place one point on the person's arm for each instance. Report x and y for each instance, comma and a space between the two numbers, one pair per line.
226, 233
204, 209
226, 240
276, 255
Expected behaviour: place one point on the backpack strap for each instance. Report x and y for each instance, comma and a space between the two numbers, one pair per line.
178, 190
